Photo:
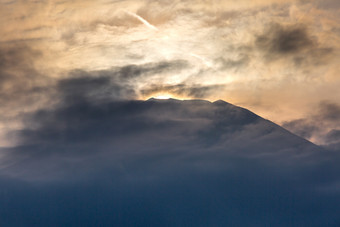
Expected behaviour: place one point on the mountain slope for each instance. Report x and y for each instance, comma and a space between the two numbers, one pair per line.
165, 163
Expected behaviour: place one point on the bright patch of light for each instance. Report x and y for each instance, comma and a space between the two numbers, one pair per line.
162, 97
165, 96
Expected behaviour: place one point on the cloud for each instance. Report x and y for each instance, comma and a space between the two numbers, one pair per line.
321, 126
98, 85
23, 88
131, 82
330, 111
284, 40
118, 82
333, 136
16, 63
150, 69
194, 91
280, 41
301, 127
20, 81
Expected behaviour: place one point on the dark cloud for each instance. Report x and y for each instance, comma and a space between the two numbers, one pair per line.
322, 124
302, 127
195, 91
20, 83
115, 83
296, 47
128, 82
136, 71
17, 68
283, 40
332, 140
330, 111
333, 136
295, 44
95, 86
24, 89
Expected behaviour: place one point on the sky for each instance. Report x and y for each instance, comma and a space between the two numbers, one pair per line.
278, 58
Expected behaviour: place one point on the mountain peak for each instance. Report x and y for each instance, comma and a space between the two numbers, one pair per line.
220, 101
200, 122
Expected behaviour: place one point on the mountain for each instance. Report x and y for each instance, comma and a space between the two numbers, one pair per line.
165, 163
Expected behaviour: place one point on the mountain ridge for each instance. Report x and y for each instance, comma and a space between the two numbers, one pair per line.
223, 102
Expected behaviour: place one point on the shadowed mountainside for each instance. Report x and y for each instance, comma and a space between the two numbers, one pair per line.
165, 163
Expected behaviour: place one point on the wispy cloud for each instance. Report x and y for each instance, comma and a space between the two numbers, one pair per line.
142, 20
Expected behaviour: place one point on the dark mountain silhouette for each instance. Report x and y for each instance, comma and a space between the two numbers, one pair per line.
165, 163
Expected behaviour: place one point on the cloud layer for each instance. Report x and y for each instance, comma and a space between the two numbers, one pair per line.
321, 126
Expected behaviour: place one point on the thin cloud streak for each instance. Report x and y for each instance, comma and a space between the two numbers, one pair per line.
142, 20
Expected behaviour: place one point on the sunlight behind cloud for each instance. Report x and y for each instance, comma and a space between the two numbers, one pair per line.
162, 97
166, 95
